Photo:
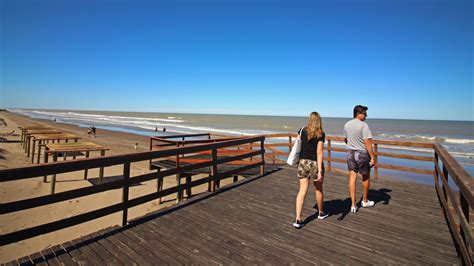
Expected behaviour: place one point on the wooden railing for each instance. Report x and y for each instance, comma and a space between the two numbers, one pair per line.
159, 142
274, 150
456, 208
14, 174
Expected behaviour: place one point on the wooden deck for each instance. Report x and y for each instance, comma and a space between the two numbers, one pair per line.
250, 222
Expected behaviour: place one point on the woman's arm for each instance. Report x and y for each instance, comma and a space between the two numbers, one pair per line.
320, 156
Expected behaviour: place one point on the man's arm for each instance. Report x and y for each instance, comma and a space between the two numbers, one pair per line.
368, 146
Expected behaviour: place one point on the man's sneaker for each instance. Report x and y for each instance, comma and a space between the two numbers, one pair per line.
322, 215
353, 209
298, 224
367, 204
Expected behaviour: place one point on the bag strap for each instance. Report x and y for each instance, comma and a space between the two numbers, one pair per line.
301, 130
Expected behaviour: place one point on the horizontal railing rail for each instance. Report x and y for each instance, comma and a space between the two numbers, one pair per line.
282, 149
457, 209
126, 160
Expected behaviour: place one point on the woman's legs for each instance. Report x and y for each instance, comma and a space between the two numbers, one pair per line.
318, 191
304, 182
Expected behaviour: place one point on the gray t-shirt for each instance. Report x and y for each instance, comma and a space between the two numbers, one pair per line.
356, 131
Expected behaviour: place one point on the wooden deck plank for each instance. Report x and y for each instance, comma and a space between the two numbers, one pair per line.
251, 224
207, 239
138, 257
63, 255
278, 231
25, 261
37, 259
251, 244
88, 252
350, 229
103, 254
100, 238
76, 254
159, 249
178, 244
50, 257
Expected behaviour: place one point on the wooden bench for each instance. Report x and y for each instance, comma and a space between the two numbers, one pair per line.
189, 160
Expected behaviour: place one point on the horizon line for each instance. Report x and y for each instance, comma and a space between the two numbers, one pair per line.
235, 114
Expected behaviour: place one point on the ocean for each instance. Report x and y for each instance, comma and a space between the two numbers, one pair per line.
456, 136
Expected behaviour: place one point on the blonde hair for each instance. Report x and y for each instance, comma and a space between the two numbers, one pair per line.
315, 126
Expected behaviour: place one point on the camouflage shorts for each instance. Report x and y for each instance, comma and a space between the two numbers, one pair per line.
307, 169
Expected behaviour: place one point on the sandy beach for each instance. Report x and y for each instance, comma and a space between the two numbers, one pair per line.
12, 155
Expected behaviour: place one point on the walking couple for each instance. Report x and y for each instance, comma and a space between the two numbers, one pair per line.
359, 153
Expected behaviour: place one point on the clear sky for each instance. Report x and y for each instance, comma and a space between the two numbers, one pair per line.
403, 59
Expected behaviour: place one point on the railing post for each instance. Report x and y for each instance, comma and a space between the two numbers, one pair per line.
445, 172
262, 149
126, 177
465, 210
329, 155
251, 148
178, 179
85, 170
289, 145
214, 170
376, 159
151, 147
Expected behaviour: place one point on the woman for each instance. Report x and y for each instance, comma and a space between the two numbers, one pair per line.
311, 166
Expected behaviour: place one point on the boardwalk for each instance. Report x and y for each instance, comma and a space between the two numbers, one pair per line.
251, 223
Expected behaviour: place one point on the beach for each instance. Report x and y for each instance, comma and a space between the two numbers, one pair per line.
12, 155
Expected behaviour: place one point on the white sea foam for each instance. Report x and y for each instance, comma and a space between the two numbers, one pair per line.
459, 147
428, 138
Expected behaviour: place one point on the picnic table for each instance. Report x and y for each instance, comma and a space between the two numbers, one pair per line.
46, 138
63, 149
30, 132
25, 128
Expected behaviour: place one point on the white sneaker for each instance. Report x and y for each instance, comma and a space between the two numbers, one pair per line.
354, 209
367, 204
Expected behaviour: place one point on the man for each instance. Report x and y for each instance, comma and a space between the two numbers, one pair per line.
360, 156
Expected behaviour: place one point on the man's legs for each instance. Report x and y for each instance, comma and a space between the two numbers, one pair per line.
365, 187
352, 187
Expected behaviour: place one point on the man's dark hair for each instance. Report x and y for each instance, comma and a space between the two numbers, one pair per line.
360, 109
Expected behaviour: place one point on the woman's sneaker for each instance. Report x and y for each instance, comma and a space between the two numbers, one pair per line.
353, 209
298, 224
322, 215
367, 204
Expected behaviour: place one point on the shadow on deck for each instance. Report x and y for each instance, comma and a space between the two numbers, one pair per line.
250, 222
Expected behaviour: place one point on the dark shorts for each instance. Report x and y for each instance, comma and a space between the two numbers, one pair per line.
308, 169
358, 161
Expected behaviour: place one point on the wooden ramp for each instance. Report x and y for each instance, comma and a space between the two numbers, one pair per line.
250, 222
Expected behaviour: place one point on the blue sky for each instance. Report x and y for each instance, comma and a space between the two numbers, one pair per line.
403, 59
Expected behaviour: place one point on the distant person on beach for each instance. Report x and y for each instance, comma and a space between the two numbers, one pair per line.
93, 131
89, 131
164, 129
310, 166
359, 153
156, 130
